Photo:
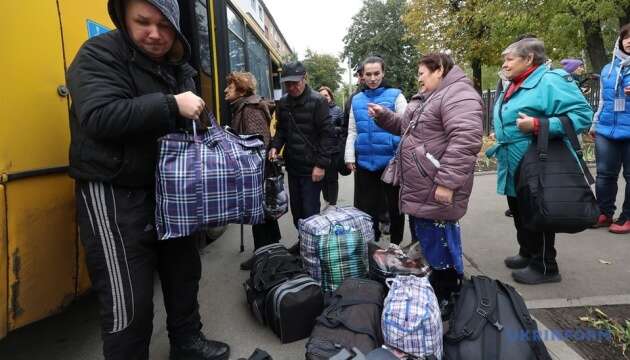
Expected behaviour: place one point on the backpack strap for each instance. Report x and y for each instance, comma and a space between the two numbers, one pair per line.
486, 293
539, 348
575, 144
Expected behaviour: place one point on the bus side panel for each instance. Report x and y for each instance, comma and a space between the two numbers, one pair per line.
42, 250
80, 21
34, 130
4, 265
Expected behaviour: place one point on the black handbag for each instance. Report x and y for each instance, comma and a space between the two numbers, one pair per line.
276, 198
553, 189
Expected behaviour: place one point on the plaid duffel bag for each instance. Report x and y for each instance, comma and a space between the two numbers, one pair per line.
208, 179
316, 230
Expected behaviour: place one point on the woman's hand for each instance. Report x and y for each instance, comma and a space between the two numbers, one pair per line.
443, 195
351, 166
525, 123
375, 110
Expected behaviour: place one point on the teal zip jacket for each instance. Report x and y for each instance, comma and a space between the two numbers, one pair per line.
545, 93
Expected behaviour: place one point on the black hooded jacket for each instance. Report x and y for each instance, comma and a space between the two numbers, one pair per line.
122, 101
314, 142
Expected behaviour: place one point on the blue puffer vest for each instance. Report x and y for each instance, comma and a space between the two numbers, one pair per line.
374, 146
613, 124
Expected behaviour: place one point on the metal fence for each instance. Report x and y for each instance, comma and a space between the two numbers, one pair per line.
590, 89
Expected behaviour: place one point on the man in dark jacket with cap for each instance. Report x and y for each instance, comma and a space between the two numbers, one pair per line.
306, 131
129, 87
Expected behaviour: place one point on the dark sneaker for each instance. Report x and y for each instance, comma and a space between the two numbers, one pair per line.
295, 249
532, 277
603, 221
197, 347
247, 264
516, 262
508, 213
621, 226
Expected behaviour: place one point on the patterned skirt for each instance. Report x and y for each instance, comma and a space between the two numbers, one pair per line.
441, 242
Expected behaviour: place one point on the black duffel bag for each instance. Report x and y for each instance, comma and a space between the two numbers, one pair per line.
491, 322
553, 188
351, 320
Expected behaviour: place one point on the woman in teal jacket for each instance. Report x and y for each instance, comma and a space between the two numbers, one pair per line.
535, 91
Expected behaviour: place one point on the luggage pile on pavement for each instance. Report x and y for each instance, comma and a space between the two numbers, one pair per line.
356, 300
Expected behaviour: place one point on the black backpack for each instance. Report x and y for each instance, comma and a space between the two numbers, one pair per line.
491, 322
352, 319
554, 193
273, 265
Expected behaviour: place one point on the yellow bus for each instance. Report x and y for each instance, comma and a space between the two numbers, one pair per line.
42, 266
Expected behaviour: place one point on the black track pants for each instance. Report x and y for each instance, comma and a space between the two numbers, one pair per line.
123, 254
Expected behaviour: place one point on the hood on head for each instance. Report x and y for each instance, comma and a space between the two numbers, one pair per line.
180, 52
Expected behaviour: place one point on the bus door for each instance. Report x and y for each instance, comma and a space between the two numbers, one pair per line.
37, 232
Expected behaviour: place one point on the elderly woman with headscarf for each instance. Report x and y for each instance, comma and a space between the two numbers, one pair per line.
611, 129
535, 92
251, 115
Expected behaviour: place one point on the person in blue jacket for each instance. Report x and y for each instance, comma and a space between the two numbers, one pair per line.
535, 91
611, 128
369, 149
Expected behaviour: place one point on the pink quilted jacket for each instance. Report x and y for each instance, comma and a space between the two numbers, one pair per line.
448, 129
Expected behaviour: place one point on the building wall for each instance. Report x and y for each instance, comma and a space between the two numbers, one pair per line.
273, 34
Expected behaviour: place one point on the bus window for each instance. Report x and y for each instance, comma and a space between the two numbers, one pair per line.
258, 61
236, 42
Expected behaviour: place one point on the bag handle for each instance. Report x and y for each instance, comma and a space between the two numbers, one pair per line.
569, 130
575, 143
526, 320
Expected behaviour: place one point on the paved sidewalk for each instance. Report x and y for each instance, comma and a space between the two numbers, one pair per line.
488, 237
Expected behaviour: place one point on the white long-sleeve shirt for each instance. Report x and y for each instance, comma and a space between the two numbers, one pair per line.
349, 156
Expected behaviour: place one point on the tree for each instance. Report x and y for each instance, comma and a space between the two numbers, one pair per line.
323, 70
474, 31
377, 30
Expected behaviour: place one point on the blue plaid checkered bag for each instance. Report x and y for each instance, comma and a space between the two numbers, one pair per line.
207, 180
343, 255
316, 229
411, 320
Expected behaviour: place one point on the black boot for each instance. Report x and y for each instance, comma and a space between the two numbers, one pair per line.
530, 276
517, 262
197, 347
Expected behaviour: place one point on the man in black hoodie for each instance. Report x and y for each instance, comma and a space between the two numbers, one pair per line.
129, 87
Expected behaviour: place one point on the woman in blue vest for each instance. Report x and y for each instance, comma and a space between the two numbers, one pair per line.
369, 149
612, 136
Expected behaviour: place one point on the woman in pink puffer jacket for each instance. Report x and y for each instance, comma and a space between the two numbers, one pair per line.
442, 134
